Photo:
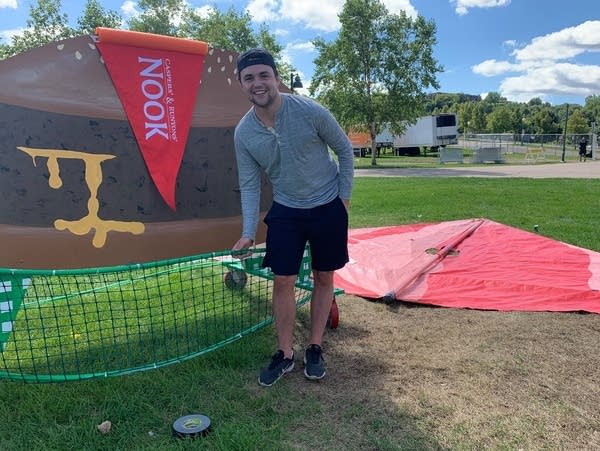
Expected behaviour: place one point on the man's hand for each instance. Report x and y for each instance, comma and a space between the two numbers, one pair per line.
346, 203
239, 249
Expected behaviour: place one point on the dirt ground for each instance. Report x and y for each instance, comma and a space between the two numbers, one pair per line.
468, 379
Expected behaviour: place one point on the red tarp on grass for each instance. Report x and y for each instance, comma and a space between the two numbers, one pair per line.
474, 263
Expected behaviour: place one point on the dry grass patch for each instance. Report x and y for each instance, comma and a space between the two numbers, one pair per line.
463, 379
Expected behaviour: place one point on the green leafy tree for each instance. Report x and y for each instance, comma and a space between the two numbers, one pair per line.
5, 51
592, 109
233, 31
465, 113
535, 101
478, 119
491, 101
577, 123
159, 16
226, 30
545, 121
500, 120
46, 23
377, 70
441, 102
94, 15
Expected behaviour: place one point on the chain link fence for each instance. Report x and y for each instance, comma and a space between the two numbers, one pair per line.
549, 144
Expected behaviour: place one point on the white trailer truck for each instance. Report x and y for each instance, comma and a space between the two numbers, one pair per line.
430, 132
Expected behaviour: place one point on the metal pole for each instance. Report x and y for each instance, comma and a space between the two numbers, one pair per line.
522, 129
565, 135
594, 142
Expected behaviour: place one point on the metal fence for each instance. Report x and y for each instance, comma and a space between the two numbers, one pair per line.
552, 144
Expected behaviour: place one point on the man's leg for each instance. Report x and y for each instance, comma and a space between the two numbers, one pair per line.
284, 312
286, 242
320, 305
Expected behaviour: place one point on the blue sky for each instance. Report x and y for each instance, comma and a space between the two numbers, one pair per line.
519, 48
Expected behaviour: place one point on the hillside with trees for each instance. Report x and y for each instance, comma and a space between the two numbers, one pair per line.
495, 114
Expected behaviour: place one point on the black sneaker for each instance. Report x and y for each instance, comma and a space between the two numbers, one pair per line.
314, 365
278, 367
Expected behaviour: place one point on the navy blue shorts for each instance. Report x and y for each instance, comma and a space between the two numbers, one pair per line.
325, 228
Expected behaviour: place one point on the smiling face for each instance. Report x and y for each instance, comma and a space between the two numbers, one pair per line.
260, 84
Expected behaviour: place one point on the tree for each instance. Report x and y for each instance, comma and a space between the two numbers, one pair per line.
535, 101
492, 100
225, 30
232, 30
159, 17
465, 116
592, 109
377, 70
46, 24
478, 120
500, 120
440, 103
5, 51
577, 123
94, 15
545, 121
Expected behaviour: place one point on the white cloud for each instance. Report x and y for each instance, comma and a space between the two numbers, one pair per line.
281, 32
319, 15
128, 8
463, 6
302, 46
315, 14
8, 4
563, 44
7, 35
395, 6
546, 65
491, 68
263, 10
557, 79
204, 11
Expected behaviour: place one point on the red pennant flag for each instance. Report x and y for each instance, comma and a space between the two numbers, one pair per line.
157, 79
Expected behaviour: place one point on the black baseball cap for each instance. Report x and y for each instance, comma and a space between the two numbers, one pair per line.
255, 56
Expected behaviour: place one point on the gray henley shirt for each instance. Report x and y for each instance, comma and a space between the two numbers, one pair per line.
295, 156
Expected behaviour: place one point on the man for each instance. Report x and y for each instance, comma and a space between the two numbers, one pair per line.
583, 149
289, 138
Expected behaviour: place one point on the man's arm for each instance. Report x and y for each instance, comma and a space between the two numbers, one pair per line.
249, 183
334, 136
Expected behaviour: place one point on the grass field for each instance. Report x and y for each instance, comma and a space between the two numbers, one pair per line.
399, 377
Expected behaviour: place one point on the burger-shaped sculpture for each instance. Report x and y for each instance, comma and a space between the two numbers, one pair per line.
78, 188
